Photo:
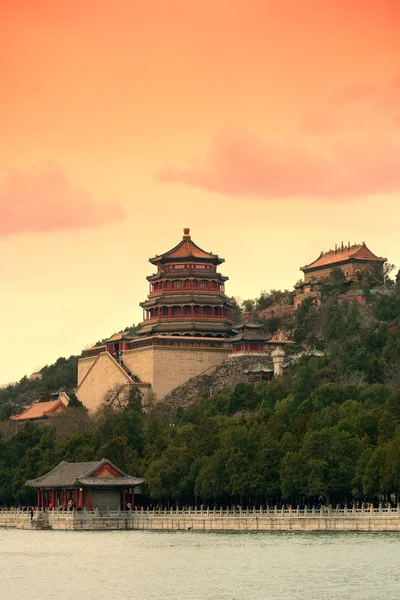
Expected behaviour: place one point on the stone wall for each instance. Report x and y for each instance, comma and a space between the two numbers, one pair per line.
174, 366
104, 374
268, 521
84, 365
140, 361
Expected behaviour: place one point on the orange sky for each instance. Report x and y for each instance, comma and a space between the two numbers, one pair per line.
270, 127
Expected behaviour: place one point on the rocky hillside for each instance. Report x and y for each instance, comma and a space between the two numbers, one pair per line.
228, 374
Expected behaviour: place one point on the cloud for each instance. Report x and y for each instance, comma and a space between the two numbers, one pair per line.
347, 148
355, 107
243, 165
43, 200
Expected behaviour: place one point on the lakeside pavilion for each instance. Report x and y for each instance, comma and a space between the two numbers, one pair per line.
90, 485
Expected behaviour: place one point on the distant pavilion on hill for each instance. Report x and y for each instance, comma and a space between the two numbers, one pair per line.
352, 260
41, 411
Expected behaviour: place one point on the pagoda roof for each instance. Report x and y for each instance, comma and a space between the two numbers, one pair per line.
186, 299
342, 254
67, 474
249, 325
208, 326
186, 249
249, 337
187, 274
119, 337
40, 410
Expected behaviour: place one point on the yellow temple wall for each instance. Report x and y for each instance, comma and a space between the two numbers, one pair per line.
172, 367
140, 362
163, 367
84, 365
104, 375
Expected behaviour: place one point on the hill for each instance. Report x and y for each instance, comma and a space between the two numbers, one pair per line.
329, 428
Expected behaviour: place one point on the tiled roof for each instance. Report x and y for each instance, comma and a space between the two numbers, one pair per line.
68, 474
117, 337
40, 410
249, 325
186, 249
249, 337
343, 254
110, 481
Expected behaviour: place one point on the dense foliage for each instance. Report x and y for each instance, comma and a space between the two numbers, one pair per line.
62, 374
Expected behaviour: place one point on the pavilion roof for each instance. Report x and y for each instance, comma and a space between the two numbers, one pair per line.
172, 326
186, 249
189, 298
342, 254
40, 410
118, 337
67, 474
249, 325
250, 337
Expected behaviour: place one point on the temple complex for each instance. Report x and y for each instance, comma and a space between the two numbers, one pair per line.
187, 330
187, 322
352, 260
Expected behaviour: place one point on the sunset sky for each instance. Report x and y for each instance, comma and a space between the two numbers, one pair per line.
271, 128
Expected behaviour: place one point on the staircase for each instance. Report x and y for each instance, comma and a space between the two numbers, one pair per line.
120, 362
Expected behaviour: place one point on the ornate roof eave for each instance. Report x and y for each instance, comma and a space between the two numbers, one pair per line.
243, 337
355, 256
67, 474
249, 325
187, 275
183, 300
205, 326
187, 249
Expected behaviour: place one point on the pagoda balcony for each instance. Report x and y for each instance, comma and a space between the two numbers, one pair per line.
184, 290
189, 317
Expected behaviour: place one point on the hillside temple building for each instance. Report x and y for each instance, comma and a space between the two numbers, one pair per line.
352, 260
187, 330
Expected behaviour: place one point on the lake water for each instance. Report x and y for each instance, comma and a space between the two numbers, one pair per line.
133, 565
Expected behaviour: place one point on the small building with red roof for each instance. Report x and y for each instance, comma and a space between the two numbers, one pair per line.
41, 411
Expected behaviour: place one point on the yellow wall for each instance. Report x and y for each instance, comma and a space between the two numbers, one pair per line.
163, 367
103, 375
140, 362
84, 365
172, 367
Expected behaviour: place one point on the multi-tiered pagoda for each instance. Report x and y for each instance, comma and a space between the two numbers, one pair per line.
187, 294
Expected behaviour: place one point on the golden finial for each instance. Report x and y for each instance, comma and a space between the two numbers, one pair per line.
186, 232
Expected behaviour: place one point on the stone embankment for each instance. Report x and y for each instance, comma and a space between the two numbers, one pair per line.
228, 374
306, 520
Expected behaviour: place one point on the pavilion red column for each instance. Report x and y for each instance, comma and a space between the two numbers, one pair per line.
133, 499
38, 498
90, 502
124, 500
53, 497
